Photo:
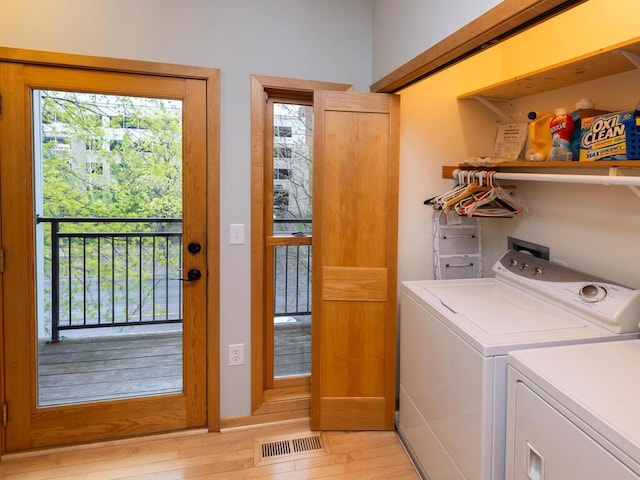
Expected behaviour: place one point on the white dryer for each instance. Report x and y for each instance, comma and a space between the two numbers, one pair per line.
573, 413
455, 336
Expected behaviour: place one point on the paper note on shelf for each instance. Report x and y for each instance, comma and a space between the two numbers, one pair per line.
510, 140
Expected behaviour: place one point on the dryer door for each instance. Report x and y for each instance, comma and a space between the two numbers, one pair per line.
548, 446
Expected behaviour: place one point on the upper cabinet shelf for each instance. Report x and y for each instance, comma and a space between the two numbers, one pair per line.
599, 64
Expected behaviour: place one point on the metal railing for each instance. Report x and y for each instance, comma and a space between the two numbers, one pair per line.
292, 270
96, 278
102, 278
292, 280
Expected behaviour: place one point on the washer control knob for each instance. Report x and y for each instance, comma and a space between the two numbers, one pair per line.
524, 266
592, 293
537, 271
513, 262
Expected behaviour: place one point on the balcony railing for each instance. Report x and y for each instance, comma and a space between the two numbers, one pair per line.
292, 280
289, 334
292, 268
99, 277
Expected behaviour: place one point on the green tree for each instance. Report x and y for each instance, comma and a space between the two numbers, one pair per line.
124, 156
107, 156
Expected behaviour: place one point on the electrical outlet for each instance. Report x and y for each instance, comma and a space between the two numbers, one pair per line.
236, 354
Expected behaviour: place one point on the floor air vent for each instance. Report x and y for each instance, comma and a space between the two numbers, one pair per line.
285, 448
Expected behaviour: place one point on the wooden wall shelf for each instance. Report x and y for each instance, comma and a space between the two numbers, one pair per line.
605, 62
599, 64
447, 170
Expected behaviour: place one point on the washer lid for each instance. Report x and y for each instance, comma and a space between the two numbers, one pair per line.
496, 318
501, 309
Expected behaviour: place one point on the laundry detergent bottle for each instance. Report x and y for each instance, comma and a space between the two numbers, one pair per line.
584, 108
561, 128
539, 139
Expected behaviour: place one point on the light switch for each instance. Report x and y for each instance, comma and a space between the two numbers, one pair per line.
236, 234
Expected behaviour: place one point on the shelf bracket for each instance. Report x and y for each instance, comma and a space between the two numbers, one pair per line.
483, 100
616, 172
633, 57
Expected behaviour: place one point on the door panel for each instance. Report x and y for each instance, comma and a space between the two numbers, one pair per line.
354, 343
29, 425
354, 282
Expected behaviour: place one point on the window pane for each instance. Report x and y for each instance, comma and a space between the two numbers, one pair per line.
292, 167
282, 131
292, 160
108, 246
292, 316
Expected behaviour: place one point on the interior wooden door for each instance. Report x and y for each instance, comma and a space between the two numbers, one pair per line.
33, 423
355, 216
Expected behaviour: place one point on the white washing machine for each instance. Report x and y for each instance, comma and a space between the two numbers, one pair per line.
455, 336
573, 413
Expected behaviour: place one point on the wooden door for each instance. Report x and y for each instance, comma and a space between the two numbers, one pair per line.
30, 423
355, 215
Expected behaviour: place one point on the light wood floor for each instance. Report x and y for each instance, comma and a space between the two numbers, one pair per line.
226, 455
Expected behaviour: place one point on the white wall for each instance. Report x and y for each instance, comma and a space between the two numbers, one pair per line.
327, 40
402, 29
431, 135
591, 228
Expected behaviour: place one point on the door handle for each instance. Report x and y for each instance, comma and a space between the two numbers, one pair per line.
192, 275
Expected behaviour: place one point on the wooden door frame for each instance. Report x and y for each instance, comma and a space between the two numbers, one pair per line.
212, 78
261, 87
504, 20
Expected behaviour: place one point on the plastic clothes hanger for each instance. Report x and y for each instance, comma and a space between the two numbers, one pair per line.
470, 205
439, 200
496, 202
471, 189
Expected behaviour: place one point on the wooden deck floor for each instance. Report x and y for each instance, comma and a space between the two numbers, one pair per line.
111, 366
100, 367
292, 347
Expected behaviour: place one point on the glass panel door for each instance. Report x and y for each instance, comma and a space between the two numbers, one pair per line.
108, 214
103, 205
